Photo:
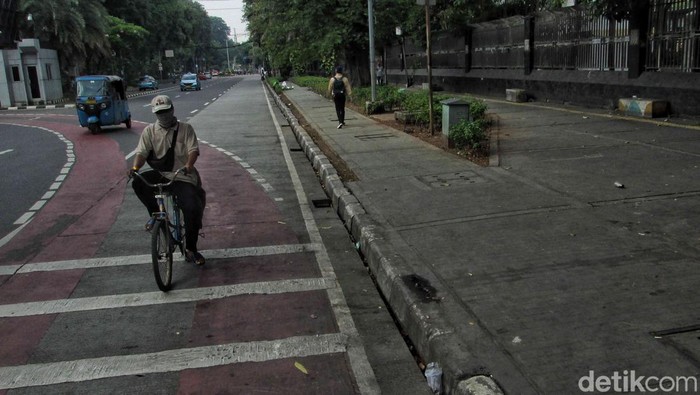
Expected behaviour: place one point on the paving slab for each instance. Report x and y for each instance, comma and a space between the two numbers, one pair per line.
541, 270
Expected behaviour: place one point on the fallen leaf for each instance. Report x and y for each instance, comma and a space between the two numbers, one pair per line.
301, 367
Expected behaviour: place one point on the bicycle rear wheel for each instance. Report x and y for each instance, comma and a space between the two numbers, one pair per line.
162, 254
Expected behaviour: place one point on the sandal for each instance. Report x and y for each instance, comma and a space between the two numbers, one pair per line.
149, 224
195, 257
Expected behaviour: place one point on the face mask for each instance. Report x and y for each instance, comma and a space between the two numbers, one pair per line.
166, 119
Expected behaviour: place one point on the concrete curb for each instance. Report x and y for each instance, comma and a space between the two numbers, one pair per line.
434, 337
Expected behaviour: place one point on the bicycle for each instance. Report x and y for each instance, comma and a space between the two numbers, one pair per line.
168, 232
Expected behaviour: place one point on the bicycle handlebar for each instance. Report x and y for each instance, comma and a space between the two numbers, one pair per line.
160, 185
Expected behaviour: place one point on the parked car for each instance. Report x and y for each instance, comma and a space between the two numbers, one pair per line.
201, 76
148, 82
207, 75
190, 81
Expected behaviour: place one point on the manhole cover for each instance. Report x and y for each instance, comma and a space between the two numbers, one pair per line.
451, 179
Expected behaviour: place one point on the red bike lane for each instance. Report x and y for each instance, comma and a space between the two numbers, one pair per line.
239, 214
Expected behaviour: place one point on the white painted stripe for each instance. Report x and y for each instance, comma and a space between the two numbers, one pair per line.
94, 263
268, 187
252, 171
244, 164
38, 205
131, 154
6, 151
159, 298
6, 240
366, 380
237, 158
206, 104
170, 360
279, 199
221, 149
48, 195
193, 111
24, 218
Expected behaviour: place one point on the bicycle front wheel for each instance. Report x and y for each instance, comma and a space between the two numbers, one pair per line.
162, 254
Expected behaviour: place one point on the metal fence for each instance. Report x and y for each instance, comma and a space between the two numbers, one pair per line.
572, 39
500, 44
569, 39
674, 36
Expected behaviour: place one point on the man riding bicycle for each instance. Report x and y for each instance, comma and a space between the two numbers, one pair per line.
168, 145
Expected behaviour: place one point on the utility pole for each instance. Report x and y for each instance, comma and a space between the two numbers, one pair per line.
372, 73
228, 60
429, 61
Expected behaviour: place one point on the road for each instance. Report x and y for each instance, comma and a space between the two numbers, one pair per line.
283, 305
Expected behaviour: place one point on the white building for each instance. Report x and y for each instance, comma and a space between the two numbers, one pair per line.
29, 75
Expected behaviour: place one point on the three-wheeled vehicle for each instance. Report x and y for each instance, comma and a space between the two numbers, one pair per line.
102, 101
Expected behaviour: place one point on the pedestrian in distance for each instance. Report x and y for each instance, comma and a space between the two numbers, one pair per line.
380, 75
339, 87
168, 145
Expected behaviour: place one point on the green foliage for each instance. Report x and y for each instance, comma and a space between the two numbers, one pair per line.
477, 108
468, 134
416, 102
275, 84
316, 84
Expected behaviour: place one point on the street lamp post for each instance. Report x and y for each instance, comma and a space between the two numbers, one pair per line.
427, 4
372, 72
404, 67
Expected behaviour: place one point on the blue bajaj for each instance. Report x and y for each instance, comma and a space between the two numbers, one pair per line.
102, 102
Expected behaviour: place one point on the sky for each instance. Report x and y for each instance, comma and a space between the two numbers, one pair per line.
231, 11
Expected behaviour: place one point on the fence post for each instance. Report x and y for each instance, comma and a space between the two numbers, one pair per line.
528, 51
468, 49
639, 21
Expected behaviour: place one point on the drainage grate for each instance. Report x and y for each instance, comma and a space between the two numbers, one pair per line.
377, 136
452, 179
318, 203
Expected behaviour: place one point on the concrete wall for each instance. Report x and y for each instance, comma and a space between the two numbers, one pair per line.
592, 89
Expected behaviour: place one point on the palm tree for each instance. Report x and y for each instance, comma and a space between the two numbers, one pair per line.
75, 28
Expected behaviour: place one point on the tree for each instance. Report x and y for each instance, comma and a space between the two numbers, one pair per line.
76, 28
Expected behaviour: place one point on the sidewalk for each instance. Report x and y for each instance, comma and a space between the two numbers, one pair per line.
539, 270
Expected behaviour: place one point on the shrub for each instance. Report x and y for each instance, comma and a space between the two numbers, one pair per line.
275, 84
468, 134
316, 84
477, 108
416, 102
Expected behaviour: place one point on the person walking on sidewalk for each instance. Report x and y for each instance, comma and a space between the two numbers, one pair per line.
339, 87
168, 145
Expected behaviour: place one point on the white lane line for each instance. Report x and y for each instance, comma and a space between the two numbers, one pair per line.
94, 263
193, 111
206, 104
170, 360
4, 269
366, 380
70, 159
59, 306
6, 151
24, 218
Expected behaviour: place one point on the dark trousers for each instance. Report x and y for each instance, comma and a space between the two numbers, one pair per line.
189, 197
339, 100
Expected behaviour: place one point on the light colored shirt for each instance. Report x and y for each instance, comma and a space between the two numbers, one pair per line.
346, 83
158, 139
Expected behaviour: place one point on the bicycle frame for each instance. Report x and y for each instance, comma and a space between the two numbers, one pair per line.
165, 235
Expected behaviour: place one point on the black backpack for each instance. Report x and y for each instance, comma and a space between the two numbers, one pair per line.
338, 86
